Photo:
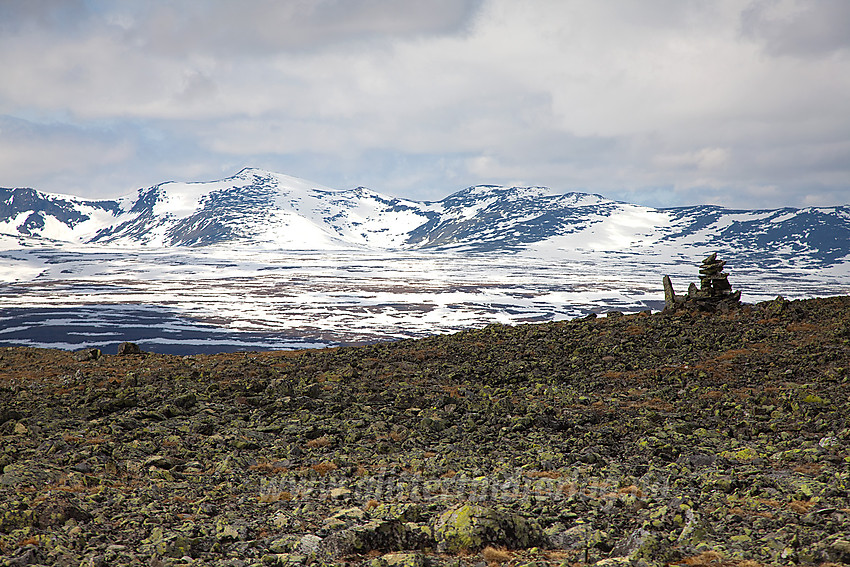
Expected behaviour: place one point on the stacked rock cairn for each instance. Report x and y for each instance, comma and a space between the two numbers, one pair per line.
714, 292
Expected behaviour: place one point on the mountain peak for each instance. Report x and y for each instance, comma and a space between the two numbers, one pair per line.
515, 191
259, 208
255, 174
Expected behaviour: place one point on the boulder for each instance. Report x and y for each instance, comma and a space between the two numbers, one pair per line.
55, 513
375, 535
129, 348
87, 354
409, 559
469, 527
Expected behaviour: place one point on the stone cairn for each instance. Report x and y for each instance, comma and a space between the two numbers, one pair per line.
714, 292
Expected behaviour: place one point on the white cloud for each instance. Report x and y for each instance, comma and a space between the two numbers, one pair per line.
716, 99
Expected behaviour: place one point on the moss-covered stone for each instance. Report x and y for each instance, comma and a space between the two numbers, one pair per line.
375, 535
470, 527
407, 559
16, 519
745, 454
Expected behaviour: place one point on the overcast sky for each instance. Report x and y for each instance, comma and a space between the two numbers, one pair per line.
743, 103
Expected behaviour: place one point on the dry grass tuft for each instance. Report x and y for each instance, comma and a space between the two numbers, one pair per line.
319, 442
655, 404
801, 506
732, 354
808, 468
554, 475
324, 468
705, 558
631, 489
495, 556
284, 496
712, 395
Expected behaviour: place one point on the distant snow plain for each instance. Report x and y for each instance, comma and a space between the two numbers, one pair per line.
216, 298
310, 266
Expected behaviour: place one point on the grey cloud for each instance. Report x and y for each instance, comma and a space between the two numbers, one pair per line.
261, 26
18, 16
815, 28
32, 153
237, 27
107, 160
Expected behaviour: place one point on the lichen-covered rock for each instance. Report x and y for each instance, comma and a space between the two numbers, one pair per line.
400, 559
376, 535
632, 544
227, 532
15, 518
469, 527
349, 515
402, 511
308, 545
56, 513
575, 537
285, 544
745, 454
174, 545
339, 493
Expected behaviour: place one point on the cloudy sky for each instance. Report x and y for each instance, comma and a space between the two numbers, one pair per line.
743, 103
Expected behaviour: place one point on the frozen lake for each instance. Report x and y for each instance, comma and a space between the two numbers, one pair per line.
193, 300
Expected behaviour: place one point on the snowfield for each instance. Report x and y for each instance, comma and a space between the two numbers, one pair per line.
225, 299
263, 260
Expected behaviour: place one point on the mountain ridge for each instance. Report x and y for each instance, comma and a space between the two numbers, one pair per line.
258, 208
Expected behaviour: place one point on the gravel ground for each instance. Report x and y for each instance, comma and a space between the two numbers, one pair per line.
679, 438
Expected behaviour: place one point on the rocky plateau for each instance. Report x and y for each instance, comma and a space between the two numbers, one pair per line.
674, 438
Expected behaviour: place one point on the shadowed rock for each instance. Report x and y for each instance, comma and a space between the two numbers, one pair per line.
129, 348
87, 354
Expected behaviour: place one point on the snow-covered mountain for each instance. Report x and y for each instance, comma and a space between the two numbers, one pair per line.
261, 209
254, 207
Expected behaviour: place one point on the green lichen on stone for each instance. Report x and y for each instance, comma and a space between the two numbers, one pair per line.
455, 530
744, 455
470, 527
402, 559
402, 511
15, 519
